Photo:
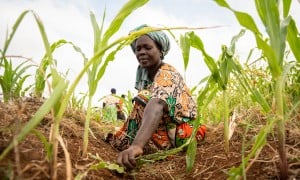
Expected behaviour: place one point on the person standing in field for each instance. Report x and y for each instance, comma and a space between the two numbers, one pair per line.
110, 106
164, 110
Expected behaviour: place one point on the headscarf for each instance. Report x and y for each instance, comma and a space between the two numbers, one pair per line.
158, 36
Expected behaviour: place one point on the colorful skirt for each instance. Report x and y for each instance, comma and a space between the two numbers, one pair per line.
168, 135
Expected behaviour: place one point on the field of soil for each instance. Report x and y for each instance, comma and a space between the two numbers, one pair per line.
28, 159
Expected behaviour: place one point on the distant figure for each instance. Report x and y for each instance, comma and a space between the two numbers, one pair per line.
120, 108
110, 106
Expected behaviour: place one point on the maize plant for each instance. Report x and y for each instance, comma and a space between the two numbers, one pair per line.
281, 29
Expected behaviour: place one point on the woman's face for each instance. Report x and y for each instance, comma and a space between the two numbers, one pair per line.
147, 52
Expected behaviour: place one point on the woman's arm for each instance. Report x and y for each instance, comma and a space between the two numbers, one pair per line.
153, 113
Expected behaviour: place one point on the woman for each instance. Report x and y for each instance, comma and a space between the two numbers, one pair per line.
110, 106
163, 110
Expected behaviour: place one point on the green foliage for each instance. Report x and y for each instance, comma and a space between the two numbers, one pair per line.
191, 154
279, 32
294, 39
12, 79
100, 165
293, 83
77, 103
185, 48
47, 145
97, 114
46, 63
128, 105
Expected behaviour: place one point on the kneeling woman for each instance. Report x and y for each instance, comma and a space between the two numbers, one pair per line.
163, 109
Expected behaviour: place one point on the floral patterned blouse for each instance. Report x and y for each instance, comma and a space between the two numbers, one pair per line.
170, 87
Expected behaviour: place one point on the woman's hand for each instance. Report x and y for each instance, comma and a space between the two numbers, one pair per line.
152, 115
126, 158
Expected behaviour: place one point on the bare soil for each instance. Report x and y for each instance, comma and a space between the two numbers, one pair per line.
28, 159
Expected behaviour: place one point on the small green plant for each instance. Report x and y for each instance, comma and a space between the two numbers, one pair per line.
46, 63
100, 165
12, 79
77, 103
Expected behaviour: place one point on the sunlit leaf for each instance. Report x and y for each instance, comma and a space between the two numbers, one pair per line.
293, 38
185, 48
190, 155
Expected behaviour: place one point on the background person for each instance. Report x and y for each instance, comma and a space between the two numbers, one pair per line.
110, 106
163, 110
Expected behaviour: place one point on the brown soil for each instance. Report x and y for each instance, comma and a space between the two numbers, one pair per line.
28, 159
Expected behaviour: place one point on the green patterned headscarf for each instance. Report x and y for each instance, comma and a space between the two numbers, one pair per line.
158, 36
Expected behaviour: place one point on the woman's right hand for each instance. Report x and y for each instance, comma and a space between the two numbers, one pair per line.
126, 158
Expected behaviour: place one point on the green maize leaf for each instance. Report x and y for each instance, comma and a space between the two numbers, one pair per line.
257, 96
235, 39
159, 155
226, 63
19, 85
193, 89
293, 39
197, 43
190, 155
40, 76
109, 58
185, 48
44, 36
101, 29
41, 28
260, 141
97, 33
14, 29
271, 57
243, 18
247, 21
286, 7
269, 9
56, 79
107, 165
286, 70
38, 116
12, 81
116, 167
18, 73
259, 10
126, 10
97, 45
244, 82
43, 139
207, 94
283, 37
249, 55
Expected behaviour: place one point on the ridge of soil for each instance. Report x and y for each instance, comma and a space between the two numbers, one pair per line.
28, 160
